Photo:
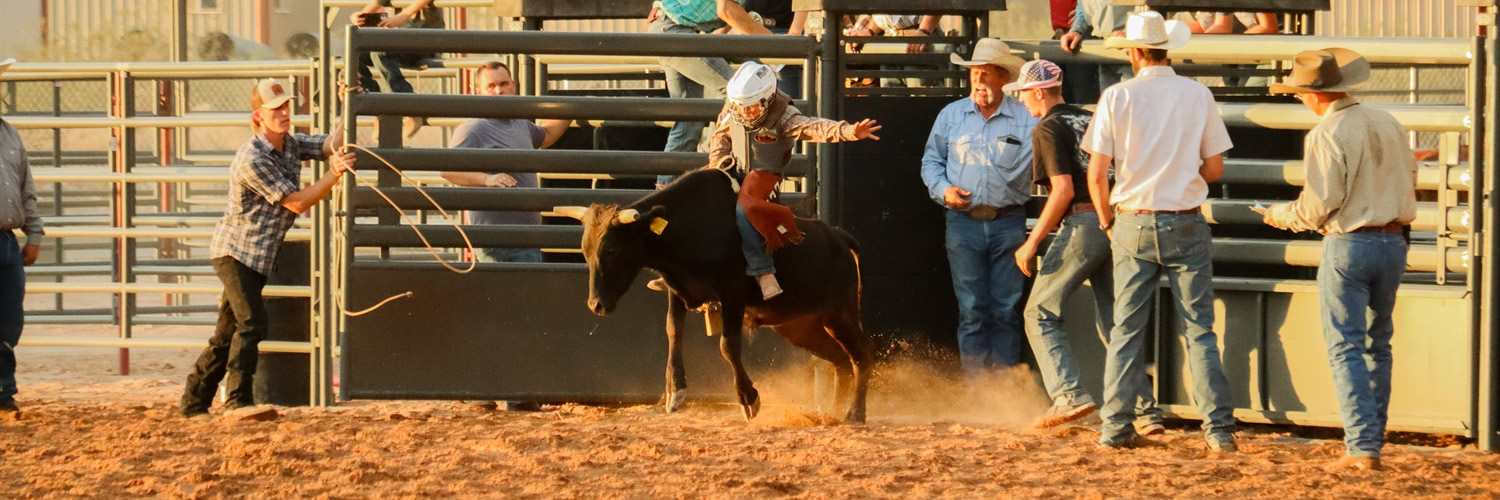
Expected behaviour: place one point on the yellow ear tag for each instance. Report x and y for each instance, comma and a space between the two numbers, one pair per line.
658, 225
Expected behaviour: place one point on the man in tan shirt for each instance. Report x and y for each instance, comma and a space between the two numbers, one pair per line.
1360, 193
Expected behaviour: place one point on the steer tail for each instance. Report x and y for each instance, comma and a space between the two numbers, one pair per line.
859, 278
847, 238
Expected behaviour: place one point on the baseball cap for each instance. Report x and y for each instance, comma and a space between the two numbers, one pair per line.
1038, 74
269, 93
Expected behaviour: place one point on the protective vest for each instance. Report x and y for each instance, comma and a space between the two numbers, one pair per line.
762, 146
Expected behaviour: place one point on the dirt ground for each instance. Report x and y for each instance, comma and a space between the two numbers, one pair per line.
88, 432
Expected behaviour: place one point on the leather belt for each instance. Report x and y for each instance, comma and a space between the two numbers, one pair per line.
1079, 208
762, 20
1392, 227
988, 213
1158, 212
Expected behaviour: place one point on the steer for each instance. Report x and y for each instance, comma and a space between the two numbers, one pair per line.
686, 232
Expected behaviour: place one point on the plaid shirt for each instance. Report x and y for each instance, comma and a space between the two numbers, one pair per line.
700, 14
254, 222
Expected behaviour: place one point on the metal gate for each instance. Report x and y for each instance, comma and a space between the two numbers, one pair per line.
514, 331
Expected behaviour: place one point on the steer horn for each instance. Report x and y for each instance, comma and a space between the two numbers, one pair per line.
574, 212
629, 215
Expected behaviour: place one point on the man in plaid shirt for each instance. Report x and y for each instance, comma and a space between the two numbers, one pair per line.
265, 197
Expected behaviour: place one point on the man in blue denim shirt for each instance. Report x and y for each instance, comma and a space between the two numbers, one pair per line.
1167, 141
978, 165
1361, 194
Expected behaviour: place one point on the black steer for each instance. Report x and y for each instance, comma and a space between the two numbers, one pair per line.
687, 233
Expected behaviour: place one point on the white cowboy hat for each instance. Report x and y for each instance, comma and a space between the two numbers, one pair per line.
1332, 69
994, 52
1147, 30
5, 65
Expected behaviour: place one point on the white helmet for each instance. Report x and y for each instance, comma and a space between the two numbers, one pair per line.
751, 84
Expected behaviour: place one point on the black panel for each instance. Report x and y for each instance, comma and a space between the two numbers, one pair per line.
522, 332
281, 377
908, 292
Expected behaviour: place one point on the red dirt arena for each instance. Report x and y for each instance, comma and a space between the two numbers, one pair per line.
87, 432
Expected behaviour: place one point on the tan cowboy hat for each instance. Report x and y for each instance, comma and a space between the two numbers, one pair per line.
5, 65
994, 52
1332, 69
1147, 30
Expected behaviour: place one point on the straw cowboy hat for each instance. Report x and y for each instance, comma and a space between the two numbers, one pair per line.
1332, 69
5, 65
991, 51
1147, 30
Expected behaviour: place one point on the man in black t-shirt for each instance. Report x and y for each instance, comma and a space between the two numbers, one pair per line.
1079, 252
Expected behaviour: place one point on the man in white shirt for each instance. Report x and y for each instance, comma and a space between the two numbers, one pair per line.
1167, 141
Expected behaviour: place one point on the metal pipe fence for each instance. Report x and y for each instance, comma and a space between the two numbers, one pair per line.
164, 180
144, 207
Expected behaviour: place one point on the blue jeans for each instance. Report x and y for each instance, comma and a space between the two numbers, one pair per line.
12, 310
753, 245
1146, 246
389, 64
508, 255
988, 287
1361, 271
1079, 251
691, 77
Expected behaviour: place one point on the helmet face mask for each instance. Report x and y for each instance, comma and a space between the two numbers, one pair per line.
750, 91
750, 113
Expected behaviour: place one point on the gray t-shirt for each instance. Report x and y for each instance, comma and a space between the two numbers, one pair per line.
502, 134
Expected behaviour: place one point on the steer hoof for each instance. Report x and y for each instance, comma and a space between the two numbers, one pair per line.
750, 410
854, 418
674, 400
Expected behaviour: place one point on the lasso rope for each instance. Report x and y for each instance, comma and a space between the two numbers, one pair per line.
409, 222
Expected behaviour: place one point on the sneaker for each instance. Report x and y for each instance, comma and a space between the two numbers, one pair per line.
198, 416
1133, 442
1150, 428
768, 286
1090, 420
1064, 411
9, 410
1224, 446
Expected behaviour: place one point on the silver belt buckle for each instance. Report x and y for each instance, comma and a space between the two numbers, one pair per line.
984, 212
